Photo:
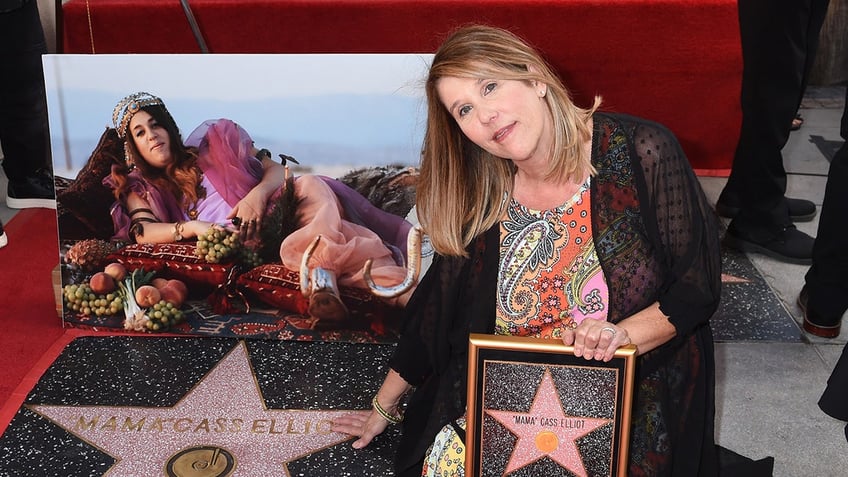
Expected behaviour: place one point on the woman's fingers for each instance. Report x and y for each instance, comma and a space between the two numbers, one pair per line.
351, 423
247, 226
364, 424
594, 339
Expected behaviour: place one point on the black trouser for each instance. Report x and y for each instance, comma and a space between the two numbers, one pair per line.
24, 130
827, 278
779, 42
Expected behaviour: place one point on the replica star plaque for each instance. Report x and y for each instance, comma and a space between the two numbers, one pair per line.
536, 409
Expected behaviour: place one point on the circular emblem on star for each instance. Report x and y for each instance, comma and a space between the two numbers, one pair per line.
201, 461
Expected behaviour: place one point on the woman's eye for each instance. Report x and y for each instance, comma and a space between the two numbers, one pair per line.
489, 88
464, 110
139, 133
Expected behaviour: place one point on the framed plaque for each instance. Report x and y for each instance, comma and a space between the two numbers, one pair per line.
536, 409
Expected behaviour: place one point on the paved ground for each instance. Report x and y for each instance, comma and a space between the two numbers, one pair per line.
767, 389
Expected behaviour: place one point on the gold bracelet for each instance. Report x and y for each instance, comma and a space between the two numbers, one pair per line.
178, 231
385, 415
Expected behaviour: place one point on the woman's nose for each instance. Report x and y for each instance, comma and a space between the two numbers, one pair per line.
487, 115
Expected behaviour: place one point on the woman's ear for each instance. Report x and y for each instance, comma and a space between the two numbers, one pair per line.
540, 87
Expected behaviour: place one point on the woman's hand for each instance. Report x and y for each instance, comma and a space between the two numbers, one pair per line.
196, 228
364, 424
250, 211
596, 339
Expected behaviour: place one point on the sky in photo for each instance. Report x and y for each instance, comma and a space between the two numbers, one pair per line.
350, 110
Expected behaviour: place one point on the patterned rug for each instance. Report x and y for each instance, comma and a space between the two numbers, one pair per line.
258, 323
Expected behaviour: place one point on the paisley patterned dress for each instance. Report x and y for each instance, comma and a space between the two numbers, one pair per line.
550, 278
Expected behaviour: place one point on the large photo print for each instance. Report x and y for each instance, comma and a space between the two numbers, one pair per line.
265, 196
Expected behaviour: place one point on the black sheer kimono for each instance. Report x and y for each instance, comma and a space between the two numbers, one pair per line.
657, 240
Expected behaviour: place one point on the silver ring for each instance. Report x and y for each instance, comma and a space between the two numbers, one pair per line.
610, 329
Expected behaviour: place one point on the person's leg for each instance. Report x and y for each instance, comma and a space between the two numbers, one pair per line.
774, 49
24, 130
825, 294
4, 240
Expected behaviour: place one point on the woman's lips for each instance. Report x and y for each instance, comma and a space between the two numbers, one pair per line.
502, 133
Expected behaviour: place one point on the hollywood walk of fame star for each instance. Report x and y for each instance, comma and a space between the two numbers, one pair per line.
224, 413
545, 430
728, 278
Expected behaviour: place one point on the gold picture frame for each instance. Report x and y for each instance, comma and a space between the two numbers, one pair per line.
522, 420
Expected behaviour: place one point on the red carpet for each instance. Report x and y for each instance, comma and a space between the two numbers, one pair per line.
27, 304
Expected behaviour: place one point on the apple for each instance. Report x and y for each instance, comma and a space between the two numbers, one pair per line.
159, 282
147, 295
116, 270
102, 283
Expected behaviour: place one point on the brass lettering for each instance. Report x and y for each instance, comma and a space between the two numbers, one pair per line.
178, 425
258, 426
129, 426
158, 424
204, 425
220, 425
324, 426
110, 425
273, 429
90, 425
289, 428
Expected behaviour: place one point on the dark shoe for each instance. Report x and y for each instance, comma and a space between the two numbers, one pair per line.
34, 191
800, 210
4, 240
814, 323
791, 245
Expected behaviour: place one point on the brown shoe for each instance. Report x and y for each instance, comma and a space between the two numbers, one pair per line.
811, 319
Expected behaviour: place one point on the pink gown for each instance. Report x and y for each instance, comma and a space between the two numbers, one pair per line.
345, 246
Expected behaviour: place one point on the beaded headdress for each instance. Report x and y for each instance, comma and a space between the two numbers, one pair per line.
127, 107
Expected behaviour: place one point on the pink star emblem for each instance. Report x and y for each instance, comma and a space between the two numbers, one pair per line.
221, 425
546, 431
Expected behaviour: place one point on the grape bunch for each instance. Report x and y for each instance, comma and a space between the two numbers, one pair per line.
163, 315
250, 257
217, 244
81, 299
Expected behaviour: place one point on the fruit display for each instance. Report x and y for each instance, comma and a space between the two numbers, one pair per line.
217, 244
90, 254
83, 300
148, 303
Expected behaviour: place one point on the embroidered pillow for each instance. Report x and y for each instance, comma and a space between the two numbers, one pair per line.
176, 261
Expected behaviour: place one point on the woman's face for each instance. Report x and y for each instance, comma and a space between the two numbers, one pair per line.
151, 140
507, 118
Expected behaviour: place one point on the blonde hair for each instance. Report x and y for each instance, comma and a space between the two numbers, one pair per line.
462, 188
